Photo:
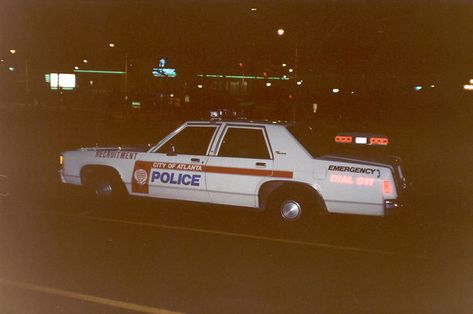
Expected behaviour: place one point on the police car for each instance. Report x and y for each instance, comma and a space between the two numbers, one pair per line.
292, 170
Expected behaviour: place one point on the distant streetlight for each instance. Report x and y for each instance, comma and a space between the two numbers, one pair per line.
291, 70
12, 51
284, 65
268, 84
200, 86
281, 31
299, 83
11, 69
111, 45
335, 90
2, 60
254, 9
76, 68
85, 61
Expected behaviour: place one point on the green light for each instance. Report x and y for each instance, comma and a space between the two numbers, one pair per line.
243, 77
63, 88
99, 71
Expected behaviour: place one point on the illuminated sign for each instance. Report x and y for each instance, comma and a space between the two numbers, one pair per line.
62, 81
343, 179
164, 72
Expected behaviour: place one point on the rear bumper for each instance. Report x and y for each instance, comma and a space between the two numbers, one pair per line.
392, 207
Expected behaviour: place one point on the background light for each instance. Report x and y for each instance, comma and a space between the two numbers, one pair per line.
12, 51
62, 80
268, 84
85, 61
111, 45
200, 86
335, 90
291, 70
281, 32
11, 69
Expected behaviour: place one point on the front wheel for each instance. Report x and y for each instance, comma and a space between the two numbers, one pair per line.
105, 187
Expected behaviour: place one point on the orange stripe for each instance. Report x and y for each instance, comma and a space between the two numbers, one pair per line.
248, 172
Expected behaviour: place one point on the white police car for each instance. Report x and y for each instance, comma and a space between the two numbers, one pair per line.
292, 170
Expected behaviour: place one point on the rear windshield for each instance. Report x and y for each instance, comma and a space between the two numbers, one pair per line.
319, 140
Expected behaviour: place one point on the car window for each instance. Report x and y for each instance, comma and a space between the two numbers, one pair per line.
192, 140
244, 143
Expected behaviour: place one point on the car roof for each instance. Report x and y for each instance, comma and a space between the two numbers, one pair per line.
241, 122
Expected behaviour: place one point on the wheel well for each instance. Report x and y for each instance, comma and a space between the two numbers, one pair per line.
272, 188
91, 171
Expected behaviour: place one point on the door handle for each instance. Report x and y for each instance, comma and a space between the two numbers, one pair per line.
261, 164
195, 159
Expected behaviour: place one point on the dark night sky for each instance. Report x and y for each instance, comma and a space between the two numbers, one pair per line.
350, 39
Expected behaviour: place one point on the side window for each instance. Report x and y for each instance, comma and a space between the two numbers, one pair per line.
192, 140
244, 143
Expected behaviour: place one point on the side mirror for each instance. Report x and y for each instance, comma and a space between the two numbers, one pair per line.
172, 150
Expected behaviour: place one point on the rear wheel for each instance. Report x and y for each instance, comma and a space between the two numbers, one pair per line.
293, 206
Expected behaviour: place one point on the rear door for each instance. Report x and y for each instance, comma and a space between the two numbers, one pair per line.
241, 161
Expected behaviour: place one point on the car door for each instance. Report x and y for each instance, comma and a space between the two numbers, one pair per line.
240, 162
175, 169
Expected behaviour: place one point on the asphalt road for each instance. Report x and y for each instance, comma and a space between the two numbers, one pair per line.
61, 252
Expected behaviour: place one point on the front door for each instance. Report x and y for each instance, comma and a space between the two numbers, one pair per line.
175, 170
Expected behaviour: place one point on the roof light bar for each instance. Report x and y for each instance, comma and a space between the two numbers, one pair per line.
379, 141
361, 140
343, 139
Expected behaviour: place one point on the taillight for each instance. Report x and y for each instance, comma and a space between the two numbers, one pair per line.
387, 188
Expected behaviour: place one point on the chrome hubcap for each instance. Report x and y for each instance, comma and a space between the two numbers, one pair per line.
291, 210
103, 189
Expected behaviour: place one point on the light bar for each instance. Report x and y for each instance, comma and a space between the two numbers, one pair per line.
361, 140
379, 141
99, 71
343, 139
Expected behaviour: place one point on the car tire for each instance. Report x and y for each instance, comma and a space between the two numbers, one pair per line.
293, 206
105, 187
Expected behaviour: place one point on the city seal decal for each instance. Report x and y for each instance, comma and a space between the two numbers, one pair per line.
141, 176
